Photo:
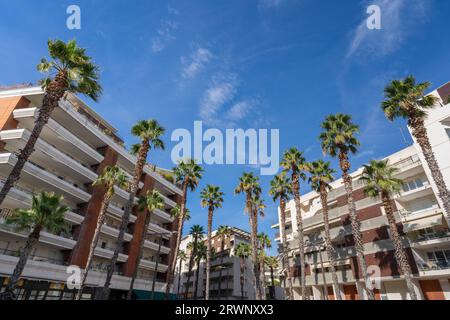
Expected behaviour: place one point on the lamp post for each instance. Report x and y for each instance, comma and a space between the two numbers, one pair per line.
160, 235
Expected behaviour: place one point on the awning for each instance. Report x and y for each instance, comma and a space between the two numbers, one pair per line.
422, 223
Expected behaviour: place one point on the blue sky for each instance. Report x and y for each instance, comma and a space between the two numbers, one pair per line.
280, 64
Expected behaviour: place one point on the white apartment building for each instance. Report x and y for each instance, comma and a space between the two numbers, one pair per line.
230, 277
419, 213
72, 150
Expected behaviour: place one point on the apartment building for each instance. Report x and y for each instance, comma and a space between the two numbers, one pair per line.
74, 147
226, 260
421, 220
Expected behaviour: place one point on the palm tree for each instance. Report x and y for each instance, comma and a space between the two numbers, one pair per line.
212, 198
320, 179
243, 251
151, 201
182, 256
379, 177
223, 232
263, 243
280, 189
197, 233
73, 72
175, 213
295, 163
110, 177
406, 99
272, 263
249, 184
338, 140
201, 255
149, 132
188, 173
46, 213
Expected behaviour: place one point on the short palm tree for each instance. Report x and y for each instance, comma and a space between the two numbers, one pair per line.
272, 263
280, 189
182, 256
149, 132
197, 233
188, 173
295, 163
223, 232
320, 179
406, 99
199, 257
338, 139
110, 177
150, 202
380, 182
249, 185
243, 251
264, 243
46, 213
211, 197
74, 72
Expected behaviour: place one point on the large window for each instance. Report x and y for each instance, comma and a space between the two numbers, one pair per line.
412, 184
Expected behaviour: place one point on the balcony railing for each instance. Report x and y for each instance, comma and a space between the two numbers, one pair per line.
434, 265
16, 253
432, 236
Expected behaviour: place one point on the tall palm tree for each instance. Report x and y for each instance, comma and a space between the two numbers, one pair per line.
264, 243
211, 197
379, 177
406, 99
151, 201
258, 208
280, 189
320, 179
249, 185
46, 213
295, 163
272, 263
200, 256
223, 232
73, 72
338, 139
182, 256
110, 177
197, 233
188, 173
243, 251
149, 132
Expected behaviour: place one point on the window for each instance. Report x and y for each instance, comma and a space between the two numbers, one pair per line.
412, 184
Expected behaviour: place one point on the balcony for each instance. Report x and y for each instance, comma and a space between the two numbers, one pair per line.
154, 246
113, 232
108, 252
151, 265
58, 136
48, 156
37, 258
434, 265
163, 215
408, 167
41, 179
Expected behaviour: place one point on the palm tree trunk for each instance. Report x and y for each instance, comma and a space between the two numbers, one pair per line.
54, 92
208, 252
356, 225
197, 273
400, 255
420, 133
100, 220
301, 242
222, 246
331, 253
139, 256
33, 238
253, 214
263, 279
284, 258
179, 277
188, 279
139, 168
181, 218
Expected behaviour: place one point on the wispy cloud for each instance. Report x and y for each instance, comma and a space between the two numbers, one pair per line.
196, 62
397, 17
221, 91
270, 3
241, 109
165, 32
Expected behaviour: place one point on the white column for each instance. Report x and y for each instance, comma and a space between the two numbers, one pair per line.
445, 285
317, 292
418, 289
341, 291
361, 292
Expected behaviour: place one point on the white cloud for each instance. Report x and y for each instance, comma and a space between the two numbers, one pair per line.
270, 3
196, 62
241, 109
164, 35
397, 20
220, 92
